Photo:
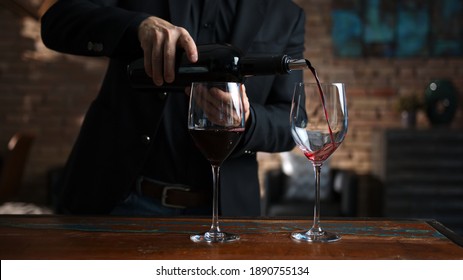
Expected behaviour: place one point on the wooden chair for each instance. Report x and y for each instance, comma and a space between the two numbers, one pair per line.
13, 165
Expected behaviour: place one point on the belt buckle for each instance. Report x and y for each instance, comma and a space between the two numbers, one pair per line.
165, 195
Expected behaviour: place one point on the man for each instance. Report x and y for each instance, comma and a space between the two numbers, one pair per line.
133, 154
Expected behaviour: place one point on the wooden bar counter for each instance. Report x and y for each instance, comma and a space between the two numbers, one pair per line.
72, 237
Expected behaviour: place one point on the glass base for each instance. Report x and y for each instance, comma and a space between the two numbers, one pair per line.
215, 237
315, 236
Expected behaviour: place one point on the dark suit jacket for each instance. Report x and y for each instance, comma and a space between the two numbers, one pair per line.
114, 140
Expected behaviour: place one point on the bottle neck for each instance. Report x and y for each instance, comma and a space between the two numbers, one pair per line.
265, 65
271, 65
298, 64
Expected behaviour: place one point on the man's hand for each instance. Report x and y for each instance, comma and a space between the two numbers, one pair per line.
211, 99
159, 40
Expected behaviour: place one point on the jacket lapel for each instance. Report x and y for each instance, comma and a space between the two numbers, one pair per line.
249, 18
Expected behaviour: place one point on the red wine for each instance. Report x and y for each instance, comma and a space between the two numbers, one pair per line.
322, 154
322, 97
216, 144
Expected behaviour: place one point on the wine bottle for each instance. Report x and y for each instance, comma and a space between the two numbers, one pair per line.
216, 62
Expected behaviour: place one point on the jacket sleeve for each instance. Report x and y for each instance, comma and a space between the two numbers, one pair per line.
91, 28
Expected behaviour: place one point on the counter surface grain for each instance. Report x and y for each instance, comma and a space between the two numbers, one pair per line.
72, 237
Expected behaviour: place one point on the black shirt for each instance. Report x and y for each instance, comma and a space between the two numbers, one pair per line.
210, 22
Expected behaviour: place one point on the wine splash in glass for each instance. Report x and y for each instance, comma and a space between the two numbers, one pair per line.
318, 126
216, 123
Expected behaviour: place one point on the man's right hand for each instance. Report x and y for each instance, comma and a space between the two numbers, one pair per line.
159, 40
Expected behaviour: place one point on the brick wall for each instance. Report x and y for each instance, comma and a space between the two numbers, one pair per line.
47, 93
373, 86
42, 92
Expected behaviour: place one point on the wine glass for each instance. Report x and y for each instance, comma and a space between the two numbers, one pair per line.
216, 123
318, 126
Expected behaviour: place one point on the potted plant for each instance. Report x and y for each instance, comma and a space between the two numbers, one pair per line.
408, 106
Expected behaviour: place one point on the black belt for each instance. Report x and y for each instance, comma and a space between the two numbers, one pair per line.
175, 195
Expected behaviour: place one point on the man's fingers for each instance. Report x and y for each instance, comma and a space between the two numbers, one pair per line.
170, 46
188, 44
159, 40
157, 60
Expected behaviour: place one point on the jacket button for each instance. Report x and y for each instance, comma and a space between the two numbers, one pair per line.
162, 95
96, 47
145, 139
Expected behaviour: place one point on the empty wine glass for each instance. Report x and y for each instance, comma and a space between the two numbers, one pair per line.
318, 126
216, 123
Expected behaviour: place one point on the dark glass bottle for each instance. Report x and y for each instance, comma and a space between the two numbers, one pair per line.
216, 62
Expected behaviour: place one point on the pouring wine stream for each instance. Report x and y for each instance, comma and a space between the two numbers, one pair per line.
299, 64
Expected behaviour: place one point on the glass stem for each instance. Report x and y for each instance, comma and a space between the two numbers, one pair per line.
215, 199
316, 210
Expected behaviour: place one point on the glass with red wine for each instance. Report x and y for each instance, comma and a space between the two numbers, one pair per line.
216, 122
318, 126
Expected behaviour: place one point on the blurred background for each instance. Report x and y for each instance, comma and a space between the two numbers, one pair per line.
402, 62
